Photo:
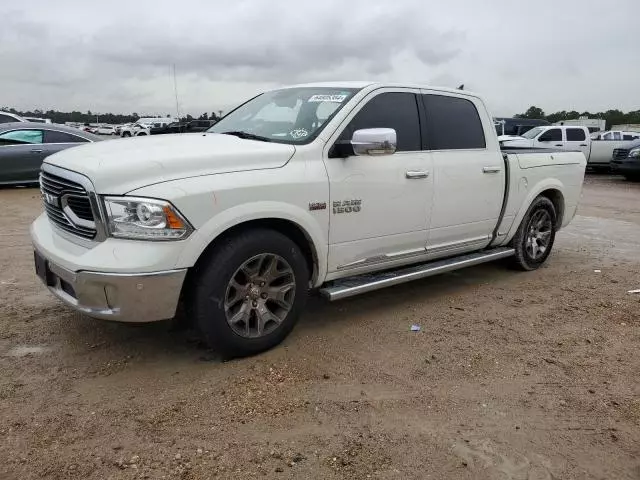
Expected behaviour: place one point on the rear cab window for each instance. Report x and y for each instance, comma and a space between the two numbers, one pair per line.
576, 135
452, 123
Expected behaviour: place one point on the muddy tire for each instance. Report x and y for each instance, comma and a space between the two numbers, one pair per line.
535, 236
249, 291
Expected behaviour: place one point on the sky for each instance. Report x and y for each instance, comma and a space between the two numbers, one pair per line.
117, 56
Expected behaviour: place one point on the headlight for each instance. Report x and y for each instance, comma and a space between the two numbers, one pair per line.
634, 152
144, 219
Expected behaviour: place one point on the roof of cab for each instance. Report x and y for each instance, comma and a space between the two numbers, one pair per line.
373, 85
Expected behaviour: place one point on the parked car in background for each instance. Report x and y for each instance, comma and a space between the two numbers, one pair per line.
6, 117
626, 161
105, 130
37, 119
24, 145
616, 135
143, 126
178, 127
597, 152
516, 126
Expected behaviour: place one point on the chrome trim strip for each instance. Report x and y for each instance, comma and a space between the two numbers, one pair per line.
356, 285
388, 257
443, 247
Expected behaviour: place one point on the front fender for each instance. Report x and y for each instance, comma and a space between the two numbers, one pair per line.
239, 214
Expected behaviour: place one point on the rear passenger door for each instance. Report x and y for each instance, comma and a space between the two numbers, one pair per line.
577, 140
469, 176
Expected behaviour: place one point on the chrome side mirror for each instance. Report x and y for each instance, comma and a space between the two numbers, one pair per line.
374, 141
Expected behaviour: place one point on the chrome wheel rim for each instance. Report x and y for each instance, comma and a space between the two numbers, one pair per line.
259, 295
538, 234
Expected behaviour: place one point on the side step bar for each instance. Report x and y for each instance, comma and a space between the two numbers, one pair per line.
352, 286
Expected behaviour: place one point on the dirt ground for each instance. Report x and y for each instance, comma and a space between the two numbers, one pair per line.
519, 376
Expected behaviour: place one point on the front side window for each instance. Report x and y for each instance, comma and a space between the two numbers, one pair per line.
390, 110
19, 137
575, 135
453, 123
290, 115
552, 135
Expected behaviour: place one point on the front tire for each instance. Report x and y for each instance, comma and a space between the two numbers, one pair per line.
535, 236
126, 134
633, 177
249, 291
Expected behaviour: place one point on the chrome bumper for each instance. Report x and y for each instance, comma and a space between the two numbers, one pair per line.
144, 297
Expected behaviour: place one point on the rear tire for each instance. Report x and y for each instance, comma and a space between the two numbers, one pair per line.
535, 236
633, 177
126, 134
248, 293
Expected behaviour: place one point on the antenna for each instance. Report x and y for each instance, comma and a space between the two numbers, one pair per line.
175, 89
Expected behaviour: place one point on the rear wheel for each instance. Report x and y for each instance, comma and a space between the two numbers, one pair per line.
633, 177
126, 134
535, 236
249, 292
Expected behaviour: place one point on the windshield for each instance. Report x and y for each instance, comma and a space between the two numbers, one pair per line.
291, 115
533, 132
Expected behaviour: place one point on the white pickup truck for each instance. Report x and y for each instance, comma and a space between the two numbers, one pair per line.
598, 152
340, 187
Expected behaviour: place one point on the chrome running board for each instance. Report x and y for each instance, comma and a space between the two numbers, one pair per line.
351, 286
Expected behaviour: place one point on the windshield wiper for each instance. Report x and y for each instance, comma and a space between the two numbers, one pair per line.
247, 136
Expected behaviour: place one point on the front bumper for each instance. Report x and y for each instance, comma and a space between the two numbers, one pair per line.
626, 166
144, 297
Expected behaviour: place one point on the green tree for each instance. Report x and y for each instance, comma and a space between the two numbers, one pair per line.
533, 112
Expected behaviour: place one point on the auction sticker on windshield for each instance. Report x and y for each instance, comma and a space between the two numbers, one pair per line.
327, 98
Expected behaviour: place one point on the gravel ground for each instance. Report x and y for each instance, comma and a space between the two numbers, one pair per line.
513, 376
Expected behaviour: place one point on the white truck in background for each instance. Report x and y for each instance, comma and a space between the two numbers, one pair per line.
359, 186
598, 152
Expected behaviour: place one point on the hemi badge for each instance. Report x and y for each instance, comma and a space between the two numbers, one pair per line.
317, 206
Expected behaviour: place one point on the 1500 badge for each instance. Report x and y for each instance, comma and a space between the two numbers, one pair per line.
347, 206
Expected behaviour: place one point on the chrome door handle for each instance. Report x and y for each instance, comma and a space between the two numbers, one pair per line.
491, 169
37, 150
415, 174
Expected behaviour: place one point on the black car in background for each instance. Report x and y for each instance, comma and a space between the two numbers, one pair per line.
180, 127
626, 161
24, 146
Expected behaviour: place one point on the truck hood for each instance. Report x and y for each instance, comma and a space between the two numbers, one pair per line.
518, 142
121, 165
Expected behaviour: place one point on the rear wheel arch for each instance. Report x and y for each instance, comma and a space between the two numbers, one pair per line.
557, 198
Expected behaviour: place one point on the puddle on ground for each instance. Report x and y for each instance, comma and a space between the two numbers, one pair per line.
24, 351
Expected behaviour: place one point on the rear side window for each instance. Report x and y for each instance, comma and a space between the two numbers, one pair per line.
575, 135
553, 135
52, 136
17, 137
390, 110
452, 123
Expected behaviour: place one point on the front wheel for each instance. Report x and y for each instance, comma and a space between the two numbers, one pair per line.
535, 236
249, 292
633, 177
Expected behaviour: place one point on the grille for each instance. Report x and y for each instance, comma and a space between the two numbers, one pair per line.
54, 189
620, 153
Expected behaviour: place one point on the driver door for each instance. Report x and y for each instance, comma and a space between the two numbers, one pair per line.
379, 205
